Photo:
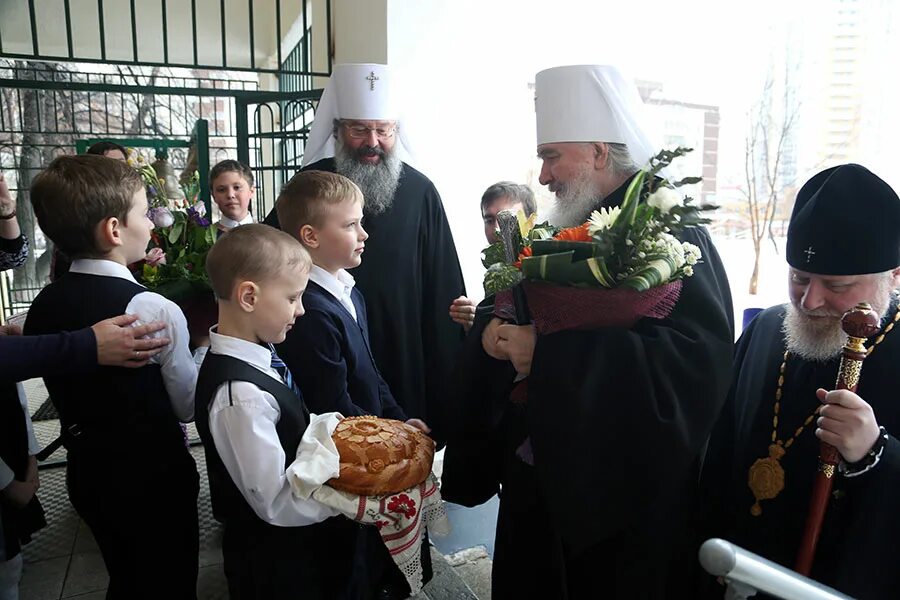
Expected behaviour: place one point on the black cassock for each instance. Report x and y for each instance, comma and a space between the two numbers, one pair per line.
409, 275
858, 550
617, 420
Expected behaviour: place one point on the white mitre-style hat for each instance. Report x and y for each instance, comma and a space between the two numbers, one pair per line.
590, 103
361, 91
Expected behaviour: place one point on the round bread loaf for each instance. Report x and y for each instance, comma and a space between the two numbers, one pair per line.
380, 456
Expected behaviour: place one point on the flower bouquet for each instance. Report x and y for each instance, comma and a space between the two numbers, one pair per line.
175, 266
625, 263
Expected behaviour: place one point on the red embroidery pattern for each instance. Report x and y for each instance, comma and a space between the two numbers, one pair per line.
402, 504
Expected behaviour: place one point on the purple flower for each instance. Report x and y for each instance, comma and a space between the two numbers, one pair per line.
200, 207
195, 217
162, 217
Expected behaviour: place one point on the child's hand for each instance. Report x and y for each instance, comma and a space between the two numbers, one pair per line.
19, 493
419, 424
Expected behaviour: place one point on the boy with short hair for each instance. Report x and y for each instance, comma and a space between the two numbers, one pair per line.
130, 475
328, 349
231, 183
251, 422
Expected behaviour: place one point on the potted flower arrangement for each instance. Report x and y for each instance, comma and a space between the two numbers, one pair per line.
175, 266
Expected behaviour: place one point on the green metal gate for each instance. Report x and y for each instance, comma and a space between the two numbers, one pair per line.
49, 108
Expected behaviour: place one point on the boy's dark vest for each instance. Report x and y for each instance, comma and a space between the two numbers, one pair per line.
112, 411
228, 504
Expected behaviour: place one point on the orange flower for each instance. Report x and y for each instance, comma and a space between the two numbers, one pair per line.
574, 234
526, 251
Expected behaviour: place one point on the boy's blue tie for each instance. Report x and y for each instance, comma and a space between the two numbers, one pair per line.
283, 370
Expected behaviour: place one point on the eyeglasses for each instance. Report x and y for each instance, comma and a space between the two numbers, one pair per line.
360, 132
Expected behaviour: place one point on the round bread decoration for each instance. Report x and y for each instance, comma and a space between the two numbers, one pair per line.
380, 456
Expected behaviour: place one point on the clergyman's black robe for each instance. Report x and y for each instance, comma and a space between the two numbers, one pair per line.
617, 419
858, 550
409, 275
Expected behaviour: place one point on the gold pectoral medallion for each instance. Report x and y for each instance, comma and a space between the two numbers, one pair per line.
766, 478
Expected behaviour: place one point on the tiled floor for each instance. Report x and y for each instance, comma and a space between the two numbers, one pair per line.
63, 561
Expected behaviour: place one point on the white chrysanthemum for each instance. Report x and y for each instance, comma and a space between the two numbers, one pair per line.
665, 199
688, 271
691, 253
603, 219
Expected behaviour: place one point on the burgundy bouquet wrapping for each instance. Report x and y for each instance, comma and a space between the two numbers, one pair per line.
557, 308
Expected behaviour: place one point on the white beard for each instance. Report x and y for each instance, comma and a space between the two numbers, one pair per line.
822, 339
573, 205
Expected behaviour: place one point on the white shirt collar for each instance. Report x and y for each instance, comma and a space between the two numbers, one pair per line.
101, 266
226, 223
248, 352
339, 286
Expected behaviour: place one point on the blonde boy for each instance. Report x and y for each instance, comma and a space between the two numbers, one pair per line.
328, 349
251, 422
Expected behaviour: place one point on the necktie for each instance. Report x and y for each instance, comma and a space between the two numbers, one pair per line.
283, 370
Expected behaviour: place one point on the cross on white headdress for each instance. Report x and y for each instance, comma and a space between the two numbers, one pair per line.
809, 254
372, 79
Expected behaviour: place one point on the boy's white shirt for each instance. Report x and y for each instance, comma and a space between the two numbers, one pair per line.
339, 287
179, 368
242, 420
227, 223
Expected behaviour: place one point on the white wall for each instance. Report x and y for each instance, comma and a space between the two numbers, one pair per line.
360, 31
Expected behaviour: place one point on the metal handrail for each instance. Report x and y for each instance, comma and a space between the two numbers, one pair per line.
746, 573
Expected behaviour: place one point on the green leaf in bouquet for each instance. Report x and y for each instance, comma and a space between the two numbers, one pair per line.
665, 158
210, 235
657, 271
199, 238
589, 273
544, 231
548, 267
630, 204
149, 273
580, 250
175, 232
687, 181
499, 277
493, 254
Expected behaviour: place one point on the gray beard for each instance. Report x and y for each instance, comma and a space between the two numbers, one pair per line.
820, 340
574, 205
378, 182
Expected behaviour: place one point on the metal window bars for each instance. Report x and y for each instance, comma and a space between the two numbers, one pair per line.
234, 35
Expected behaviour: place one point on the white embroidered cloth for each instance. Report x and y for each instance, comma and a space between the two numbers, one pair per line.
401, 518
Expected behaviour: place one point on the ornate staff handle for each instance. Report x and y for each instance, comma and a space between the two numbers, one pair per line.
508, 224
859, 323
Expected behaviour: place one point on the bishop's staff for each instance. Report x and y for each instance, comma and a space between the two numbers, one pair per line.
508, 224
859, 323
